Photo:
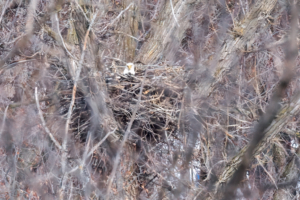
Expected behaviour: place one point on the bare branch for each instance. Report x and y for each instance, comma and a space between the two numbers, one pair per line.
43, 121
174, 13
3, 120
99, 143
70, 111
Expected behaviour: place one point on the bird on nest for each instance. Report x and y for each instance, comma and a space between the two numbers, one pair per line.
129, 69
120, 73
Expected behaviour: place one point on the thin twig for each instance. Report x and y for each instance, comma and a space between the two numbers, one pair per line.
99, 144
85, 151
87, 19
3, 121
120, 14
61, 38
242, 8
174, 13
120, 32
43, 121
262, 165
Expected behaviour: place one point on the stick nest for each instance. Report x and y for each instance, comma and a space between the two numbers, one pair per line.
160, 104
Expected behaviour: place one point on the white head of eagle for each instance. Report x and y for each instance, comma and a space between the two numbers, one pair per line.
129, 69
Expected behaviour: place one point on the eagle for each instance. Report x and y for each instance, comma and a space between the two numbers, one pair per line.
115, 73
129, 69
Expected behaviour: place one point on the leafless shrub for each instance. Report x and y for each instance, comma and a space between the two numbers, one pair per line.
211, 111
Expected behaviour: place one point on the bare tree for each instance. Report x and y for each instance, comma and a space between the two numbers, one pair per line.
152, 99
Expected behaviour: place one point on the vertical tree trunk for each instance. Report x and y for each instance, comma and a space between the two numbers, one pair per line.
167, 30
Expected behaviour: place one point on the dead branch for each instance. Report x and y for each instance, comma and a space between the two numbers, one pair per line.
43, 121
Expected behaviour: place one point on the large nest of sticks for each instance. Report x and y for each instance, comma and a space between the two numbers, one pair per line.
158, 110
160, 103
